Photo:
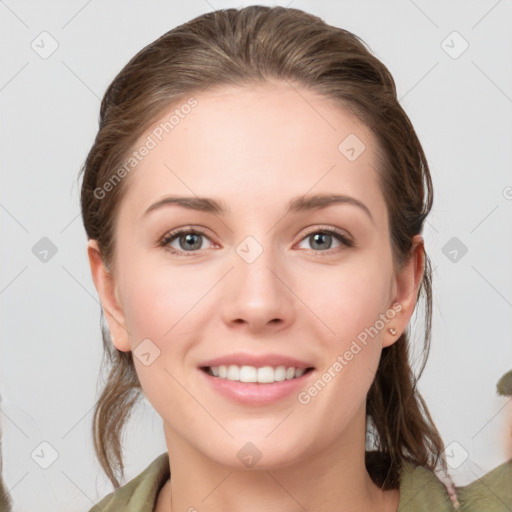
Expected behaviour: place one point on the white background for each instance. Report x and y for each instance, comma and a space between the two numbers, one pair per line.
51, 345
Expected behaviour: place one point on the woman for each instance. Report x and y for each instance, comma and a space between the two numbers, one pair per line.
229, 151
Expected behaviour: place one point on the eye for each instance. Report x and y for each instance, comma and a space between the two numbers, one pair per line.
187, 240
321, 239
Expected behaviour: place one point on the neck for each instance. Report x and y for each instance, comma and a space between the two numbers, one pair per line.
332, 479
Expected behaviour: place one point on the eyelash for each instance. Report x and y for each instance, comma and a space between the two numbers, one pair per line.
169, 237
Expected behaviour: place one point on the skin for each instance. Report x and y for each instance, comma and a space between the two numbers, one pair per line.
255, 148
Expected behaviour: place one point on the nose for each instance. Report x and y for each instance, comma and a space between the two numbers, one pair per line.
257, 295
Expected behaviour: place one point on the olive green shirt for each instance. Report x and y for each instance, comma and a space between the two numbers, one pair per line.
5, 503
420, 491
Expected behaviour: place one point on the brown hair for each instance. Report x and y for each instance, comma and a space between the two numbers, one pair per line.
244, 47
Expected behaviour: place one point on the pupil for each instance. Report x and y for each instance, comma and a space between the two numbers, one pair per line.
189, 241
319, 237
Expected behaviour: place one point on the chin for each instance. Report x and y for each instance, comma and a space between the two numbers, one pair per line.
258, 452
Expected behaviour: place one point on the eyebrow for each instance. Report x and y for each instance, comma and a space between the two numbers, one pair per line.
296, 205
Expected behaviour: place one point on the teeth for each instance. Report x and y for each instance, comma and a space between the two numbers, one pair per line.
248, 374
263, 375
290, 373
266, 374
280, 373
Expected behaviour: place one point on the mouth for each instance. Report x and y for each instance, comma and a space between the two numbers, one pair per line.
256, 374
256, 379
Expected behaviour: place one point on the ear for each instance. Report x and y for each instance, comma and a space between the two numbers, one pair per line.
406, 285
107, 291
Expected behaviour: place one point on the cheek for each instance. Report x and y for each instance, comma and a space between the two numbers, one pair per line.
159, 301
352, 303
350, 300
160, 305
353, 309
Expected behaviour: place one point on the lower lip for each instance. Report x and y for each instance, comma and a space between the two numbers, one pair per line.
255, 393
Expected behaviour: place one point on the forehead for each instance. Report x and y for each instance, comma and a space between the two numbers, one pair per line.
255, 145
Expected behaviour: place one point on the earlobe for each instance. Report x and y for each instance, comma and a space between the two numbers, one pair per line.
407, 283
105, 286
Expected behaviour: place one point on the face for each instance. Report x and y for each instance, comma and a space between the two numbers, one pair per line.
254, 284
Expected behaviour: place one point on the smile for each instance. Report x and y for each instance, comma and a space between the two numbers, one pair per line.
261, 375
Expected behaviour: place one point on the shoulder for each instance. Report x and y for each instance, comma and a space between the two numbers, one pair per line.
141, 493
491, 492
422, 491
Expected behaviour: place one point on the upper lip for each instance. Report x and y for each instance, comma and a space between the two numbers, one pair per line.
258, 360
